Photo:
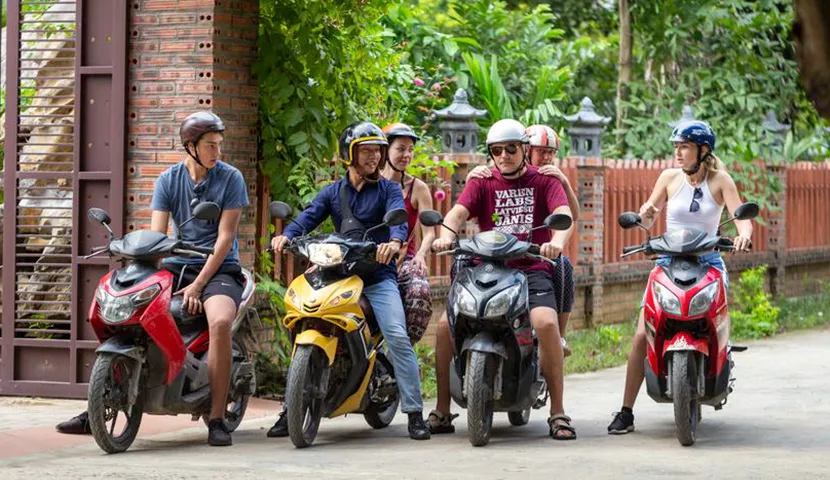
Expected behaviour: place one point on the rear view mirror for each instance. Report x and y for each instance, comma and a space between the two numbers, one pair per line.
430, 218
629, 220
396, 217
747, 211
279, 209
99, 215
207, 211
558, 221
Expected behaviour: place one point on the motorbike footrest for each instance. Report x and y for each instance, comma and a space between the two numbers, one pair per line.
738, 348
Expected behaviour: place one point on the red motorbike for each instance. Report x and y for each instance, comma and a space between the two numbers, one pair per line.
153, 354
689, 361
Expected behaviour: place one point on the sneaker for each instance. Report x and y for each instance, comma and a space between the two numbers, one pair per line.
440, 423
565, 348
280, 428
417, 428
623, 423
76, 425
218, 435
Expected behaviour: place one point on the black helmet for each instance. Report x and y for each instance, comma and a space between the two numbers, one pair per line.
197, 124
358, 133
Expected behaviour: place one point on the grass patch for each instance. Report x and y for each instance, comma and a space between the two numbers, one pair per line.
804, 312
426, 366
605, 346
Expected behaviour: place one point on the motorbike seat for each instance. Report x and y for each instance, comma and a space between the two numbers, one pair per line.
369, 314
184, 320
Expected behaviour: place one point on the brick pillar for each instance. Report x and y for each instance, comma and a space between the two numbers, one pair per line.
777, 231
589, 233
185, 56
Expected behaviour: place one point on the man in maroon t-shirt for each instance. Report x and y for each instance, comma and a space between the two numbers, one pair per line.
514, 200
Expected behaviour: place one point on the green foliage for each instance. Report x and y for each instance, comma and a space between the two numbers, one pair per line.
805, 312
273, 360
602, 347
426, 367
321, 66
755, 316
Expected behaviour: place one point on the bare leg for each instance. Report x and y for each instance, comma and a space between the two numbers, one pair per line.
635, 372
220, 311
443, 357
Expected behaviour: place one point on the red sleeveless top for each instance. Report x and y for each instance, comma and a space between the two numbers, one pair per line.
412, 221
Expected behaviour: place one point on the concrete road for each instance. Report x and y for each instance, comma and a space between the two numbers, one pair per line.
776, 425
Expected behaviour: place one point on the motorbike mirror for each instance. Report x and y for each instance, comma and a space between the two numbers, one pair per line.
207, 211
747, 211
279, 209
99, 215
629, 220
431, 218
558, 221
396, 217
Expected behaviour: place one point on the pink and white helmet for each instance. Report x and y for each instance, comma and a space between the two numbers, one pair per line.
542, 136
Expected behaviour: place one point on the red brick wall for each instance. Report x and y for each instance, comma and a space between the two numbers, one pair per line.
185, 56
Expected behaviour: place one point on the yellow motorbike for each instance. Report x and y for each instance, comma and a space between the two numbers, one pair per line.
337, 364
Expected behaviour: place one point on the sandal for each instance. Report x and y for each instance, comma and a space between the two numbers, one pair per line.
555, 428
439, 422
566, 350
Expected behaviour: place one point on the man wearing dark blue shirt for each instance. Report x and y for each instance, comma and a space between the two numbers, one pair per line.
363, 148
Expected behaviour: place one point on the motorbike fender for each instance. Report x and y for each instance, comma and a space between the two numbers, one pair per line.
125, 347
683, 341
313, 337
484, 342
122, 346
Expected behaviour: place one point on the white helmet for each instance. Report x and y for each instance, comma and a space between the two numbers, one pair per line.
542, 136
506, 130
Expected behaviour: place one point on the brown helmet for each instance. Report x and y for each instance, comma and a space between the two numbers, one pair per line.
195, 126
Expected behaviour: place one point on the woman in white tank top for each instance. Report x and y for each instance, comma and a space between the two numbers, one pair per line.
694, 194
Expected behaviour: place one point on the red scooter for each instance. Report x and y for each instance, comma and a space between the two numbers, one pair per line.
689, 360
153, 354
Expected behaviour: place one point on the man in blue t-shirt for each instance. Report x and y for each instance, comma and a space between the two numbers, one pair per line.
213, 285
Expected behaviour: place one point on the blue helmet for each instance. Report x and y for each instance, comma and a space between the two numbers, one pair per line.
695, 131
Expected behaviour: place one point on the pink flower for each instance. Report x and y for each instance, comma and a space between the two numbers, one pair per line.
418, 81
436, 87
440, 195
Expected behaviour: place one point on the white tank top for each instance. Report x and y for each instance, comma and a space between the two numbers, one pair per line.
707, 216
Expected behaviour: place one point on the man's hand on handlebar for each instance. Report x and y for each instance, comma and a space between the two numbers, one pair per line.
442, 244
387, 251
278, 243
550, 250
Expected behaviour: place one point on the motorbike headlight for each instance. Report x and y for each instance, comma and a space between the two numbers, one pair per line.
326, 254
499, 304
703, 300
116, 310
464, 302
667, 300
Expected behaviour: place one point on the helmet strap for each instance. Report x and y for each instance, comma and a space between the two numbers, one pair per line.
700, 159
194, 155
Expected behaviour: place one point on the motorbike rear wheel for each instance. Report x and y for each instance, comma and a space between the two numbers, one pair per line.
381, 415
684, 396
109, 384
479, 390
305, 394
517, 419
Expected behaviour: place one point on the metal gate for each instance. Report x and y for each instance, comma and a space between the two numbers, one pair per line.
64, 152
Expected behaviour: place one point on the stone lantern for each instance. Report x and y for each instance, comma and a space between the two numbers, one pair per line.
686, 115
586, 130
457, 124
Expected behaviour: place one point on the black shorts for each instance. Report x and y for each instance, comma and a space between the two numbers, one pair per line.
228, 281
563, 284
540, 290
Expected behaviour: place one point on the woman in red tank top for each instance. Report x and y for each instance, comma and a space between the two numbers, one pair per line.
412, 266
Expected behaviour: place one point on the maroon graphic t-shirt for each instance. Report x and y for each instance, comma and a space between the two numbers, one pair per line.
515, 206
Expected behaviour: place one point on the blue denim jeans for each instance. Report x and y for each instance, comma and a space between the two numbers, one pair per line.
385, 299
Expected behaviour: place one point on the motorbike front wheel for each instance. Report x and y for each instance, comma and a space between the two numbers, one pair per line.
479, 382
684, 376
109, 385
305, 394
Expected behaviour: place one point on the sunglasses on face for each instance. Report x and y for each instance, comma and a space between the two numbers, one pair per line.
510, 149
695, 206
